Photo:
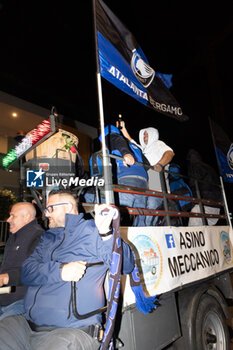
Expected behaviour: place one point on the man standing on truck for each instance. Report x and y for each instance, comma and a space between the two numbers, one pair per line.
159, 155
73, 251
208, 184
125, 171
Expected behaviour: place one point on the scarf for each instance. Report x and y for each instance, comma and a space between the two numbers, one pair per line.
144, 304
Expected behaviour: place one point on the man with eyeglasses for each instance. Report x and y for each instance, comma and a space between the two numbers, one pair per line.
65, 277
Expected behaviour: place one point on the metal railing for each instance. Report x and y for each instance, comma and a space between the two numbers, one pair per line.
165, 195
202, 202
171, 213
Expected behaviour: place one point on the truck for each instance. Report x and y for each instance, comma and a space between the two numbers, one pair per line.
188, 268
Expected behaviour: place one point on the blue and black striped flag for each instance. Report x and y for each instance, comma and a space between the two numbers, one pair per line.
224, 151
122, 62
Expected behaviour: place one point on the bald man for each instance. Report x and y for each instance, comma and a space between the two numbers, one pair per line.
25, 234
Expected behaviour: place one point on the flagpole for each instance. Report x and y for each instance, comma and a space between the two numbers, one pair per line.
107, 170
220, 177
212, 136
225, 202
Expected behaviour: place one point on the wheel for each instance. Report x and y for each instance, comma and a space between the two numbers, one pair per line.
210, 325
203, 323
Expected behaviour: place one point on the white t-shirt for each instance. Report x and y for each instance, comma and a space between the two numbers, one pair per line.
153, 151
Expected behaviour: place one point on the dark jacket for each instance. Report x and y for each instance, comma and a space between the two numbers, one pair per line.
208, 180
48, 299
119, 146
18, 248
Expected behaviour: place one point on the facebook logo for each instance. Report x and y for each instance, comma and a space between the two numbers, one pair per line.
170, 241
35, 178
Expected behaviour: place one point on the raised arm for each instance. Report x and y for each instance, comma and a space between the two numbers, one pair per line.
124, 130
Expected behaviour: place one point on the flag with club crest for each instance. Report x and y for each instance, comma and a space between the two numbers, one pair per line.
122, 62
224, 151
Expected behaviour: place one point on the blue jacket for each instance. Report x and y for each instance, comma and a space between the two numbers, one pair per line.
119, 146
47, 302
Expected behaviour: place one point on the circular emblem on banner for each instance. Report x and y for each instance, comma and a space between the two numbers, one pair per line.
150, 260
143, 72
230, 156
226, 246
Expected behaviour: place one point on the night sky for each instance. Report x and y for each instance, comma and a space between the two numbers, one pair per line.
48, 58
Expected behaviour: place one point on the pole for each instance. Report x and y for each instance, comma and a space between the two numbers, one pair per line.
201, 206
212, 136
225, 202
107, 172
165, 201
220, 177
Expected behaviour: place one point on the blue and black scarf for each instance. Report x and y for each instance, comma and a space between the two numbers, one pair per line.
143, 303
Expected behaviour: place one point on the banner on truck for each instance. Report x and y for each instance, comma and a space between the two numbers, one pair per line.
170, 257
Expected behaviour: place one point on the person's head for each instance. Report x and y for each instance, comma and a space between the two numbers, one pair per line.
59, 204
109, 129
20, 215
147, 136
193, 156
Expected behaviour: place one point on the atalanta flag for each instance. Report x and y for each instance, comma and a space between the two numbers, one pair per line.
123, 63
224, 152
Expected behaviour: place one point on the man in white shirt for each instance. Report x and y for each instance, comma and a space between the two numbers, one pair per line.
159, 156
